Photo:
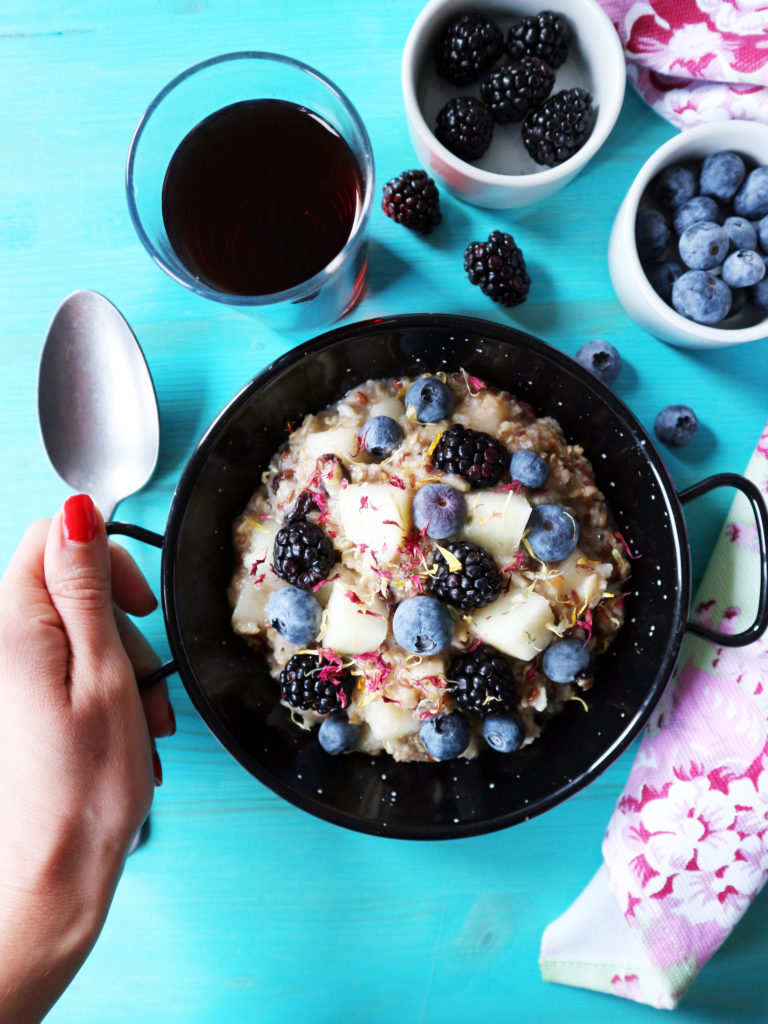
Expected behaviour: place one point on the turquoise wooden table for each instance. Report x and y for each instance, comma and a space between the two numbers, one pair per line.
241, 907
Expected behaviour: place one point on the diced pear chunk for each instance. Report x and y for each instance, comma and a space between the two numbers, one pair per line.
355, 623
341, 441
515, 624
576, 574
377, 515
388, 721
391, 407
496, 521
250, 607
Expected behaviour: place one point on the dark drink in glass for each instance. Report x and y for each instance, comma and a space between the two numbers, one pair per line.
261, 196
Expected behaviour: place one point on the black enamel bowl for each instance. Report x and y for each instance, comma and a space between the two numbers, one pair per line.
230, 685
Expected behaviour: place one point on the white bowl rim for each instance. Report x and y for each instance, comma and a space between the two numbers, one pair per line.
607, 116
728, 133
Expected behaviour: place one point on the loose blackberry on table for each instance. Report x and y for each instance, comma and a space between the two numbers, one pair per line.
474, 583
475, 456
498, 268
303, 553
412, 199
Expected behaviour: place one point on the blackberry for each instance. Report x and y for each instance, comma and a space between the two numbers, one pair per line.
482, 681
465, 127
472, 454
544, 35
470, 45
412, 199
498, 267
512, 90
303, 554
312, 683
474, 585
559, 127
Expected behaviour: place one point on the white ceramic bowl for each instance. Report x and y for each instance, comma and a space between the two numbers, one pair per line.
633, 289
506, 176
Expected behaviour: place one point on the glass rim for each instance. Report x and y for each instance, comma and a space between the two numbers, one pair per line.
298, 292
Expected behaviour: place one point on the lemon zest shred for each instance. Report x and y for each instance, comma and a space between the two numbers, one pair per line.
454, 565
435, 440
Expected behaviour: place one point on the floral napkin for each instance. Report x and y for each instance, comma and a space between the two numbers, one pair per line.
695, 61
686, 849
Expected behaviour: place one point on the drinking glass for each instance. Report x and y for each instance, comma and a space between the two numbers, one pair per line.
207, 88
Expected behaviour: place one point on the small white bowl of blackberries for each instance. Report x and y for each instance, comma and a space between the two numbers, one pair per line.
508, 101
688, 254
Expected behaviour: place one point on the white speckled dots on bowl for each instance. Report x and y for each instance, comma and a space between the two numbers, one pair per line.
506, 176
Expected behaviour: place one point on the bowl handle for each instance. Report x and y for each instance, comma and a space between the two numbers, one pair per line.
755, 499
156, 541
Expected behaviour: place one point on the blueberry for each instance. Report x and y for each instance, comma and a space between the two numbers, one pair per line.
762, 234
422, 625
552, 533
504, 733
758, 294
600, 358
675, 425
663, 276
439, 510
739, 297
295, 614
701, 297
696, 209
381, 435
752, 198
674, 186
565, 661
651, 234
704, 245
445, 737
721, 175
431, 399
743, 268
741, 233
337, 734
528, 468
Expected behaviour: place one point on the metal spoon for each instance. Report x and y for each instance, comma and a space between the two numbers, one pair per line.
96, 402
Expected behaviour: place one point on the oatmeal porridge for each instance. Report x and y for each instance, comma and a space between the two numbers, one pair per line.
430, 569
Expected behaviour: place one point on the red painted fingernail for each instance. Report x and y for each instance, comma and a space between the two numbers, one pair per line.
157, 768
171, 719
80, 520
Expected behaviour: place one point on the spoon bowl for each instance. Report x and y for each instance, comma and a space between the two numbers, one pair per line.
97, 406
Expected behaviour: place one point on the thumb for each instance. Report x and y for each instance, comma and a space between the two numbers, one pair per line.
78, 578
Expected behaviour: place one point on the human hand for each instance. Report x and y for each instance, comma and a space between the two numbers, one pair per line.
78, 763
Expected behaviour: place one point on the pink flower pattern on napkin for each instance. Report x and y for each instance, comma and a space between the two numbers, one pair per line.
696, 61
687, 846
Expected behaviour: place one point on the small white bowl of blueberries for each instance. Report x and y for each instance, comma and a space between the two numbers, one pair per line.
688, 253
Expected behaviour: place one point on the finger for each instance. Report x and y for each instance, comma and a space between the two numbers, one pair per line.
157, 707
77, 575
25, 568
130, 589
